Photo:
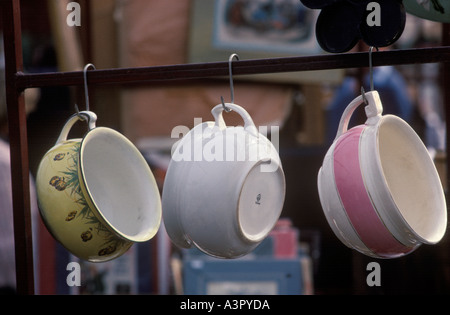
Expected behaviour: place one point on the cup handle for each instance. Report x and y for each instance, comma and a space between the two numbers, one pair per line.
249, 125
88, 116
373, 110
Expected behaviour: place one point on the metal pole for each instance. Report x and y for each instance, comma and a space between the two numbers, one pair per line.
181, 74
19, 146
445, 89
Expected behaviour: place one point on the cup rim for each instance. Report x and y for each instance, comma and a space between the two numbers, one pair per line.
262, 234
154, 208
396, 220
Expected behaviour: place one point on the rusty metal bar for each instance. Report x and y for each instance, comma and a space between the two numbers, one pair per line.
184, 72
445, 77
19, 147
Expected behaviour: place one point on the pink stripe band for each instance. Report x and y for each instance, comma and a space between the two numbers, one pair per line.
356, 201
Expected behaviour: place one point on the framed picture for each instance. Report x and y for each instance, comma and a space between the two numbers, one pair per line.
256, 29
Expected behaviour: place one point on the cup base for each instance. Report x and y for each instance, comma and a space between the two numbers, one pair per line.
260, 201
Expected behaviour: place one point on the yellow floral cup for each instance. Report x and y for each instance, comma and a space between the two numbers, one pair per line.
97, 195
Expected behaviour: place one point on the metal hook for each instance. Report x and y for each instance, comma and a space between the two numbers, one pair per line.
230, 66
83, 116
77, 110
371, 67
363, 93
86, 93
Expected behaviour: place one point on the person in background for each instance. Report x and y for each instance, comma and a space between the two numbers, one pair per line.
390, 84
7, 247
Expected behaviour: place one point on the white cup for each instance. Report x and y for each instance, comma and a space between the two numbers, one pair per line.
379, 187
224, 189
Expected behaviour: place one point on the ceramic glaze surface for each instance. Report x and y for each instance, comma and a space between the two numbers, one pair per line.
121, 186
256, 205
412, 180
378, 186
65, 210
227, 193
84, 201
356, 201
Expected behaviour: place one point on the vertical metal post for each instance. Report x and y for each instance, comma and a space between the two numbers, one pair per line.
19, 146
445, 79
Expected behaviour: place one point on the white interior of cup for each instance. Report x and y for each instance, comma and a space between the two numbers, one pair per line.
120, 184
412, 179
260, 202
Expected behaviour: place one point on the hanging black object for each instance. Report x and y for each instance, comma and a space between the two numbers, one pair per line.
335, 27
342, 23
392, 20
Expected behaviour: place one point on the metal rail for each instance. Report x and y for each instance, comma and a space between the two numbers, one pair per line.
184, 72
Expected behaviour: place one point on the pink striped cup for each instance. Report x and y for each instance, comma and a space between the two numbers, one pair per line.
378, 185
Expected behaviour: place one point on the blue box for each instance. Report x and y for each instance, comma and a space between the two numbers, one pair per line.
256, 276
